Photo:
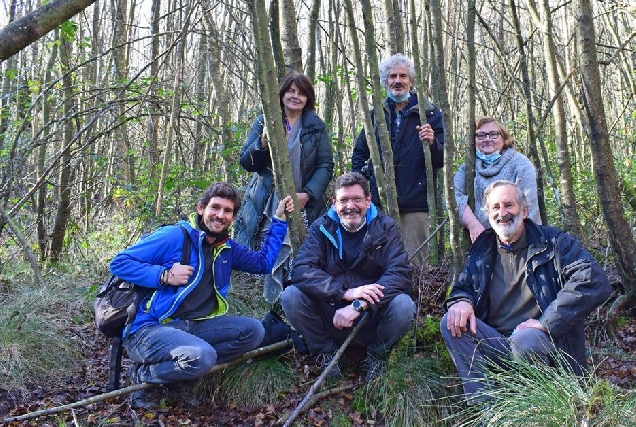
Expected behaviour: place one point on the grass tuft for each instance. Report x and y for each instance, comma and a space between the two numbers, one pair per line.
259, 383
534, 394
410, 392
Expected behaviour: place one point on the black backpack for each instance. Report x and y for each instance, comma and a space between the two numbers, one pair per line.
116, 306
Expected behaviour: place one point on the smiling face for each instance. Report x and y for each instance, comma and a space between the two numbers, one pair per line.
505, 213
351, 206
293, 100
399, 81
489, 145
218, 214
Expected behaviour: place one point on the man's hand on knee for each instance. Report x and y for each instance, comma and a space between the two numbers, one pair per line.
459, 316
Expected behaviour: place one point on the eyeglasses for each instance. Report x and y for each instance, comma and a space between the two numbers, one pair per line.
355, 200
482, 135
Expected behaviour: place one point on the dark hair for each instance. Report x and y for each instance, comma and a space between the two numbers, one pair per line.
352, 178
509, 140
223, 190
304, 86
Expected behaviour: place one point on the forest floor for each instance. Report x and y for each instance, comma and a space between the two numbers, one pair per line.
613, 358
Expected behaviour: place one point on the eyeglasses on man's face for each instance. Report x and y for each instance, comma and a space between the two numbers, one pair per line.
345, 201
482, 135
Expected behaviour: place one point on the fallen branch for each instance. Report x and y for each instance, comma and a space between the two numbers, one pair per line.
322, 395
324, 373
126, 390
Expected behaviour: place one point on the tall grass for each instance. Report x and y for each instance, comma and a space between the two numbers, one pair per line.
35, 346
534, 394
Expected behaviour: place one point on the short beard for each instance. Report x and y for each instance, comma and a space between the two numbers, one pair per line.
507, 231
216, 236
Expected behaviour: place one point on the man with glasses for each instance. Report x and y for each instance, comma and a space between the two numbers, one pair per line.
409, 136
352, 261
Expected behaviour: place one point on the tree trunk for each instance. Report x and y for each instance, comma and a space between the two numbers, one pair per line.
606, 176
430, 181
24, 31
571, 219
449, 142
273, 121
64, 188
311, 40
289, 37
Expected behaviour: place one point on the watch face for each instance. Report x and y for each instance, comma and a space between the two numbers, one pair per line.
357, 305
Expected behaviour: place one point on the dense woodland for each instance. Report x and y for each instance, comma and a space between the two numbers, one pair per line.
124, 110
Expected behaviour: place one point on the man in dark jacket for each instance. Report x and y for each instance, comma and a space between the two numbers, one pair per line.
352, 261
524, 291
408, 137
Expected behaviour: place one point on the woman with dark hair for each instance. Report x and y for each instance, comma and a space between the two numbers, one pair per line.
310, 156
496, 159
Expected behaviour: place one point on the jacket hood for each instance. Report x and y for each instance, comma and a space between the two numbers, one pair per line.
372, 212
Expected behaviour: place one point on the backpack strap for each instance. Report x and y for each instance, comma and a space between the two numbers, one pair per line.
114, 368
117, 347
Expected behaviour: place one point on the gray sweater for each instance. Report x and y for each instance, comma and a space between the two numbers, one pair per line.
512, 166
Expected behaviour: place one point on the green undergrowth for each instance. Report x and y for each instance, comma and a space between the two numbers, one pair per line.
533, 394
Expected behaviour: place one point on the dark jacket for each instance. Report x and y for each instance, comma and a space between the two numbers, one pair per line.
316, 164
408, 155
565, 279
319, 272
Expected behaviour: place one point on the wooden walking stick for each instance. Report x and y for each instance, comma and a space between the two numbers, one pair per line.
324, 373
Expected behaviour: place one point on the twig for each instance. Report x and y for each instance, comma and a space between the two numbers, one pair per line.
322, 395
322, 376
439, 227
126, 390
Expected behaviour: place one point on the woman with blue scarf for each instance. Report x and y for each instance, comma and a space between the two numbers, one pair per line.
495, 159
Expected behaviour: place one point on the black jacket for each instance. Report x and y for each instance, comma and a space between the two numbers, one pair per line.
408, 155
319, 272
565, 279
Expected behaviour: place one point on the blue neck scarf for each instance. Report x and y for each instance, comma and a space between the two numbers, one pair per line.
489, 159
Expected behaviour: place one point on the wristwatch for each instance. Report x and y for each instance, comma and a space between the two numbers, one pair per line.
357, 305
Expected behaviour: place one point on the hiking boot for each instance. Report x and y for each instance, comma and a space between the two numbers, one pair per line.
184, 391
324, 359
141, 399
375, 365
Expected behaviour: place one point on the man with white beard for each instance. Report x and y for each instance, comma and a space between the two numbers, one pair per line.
524, 291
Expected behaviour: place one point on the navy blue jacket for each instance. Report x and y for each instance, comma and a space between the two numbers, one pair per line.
565, 279
408, 154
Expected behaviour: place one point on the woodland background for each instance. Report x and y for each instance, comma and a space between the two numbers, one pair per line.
115, 115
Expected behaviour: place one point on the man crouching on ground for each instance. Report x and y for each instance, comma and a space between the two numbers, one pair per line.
352, 261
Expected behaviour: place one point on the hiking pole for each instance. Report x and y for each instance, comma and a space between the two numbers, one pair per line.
322, 376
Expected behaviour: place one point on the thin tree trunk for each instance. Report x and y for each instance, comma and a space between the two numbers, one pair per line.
311, 39
604, 170
449, 142
289, 36
64, 188
273, 120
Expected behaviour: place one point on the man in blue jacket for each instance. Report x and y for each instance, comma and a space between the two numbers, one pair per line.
352, 261
408, 137
181, 330
525, 290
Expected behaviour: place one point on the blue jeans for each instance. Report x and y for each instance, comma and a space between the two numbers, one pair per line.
314, 320
188, 349
472, 353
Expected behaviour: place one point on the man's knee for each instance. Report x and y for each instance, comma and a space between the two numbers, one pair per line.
291, 299
195, 361
402, 310
532, 343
